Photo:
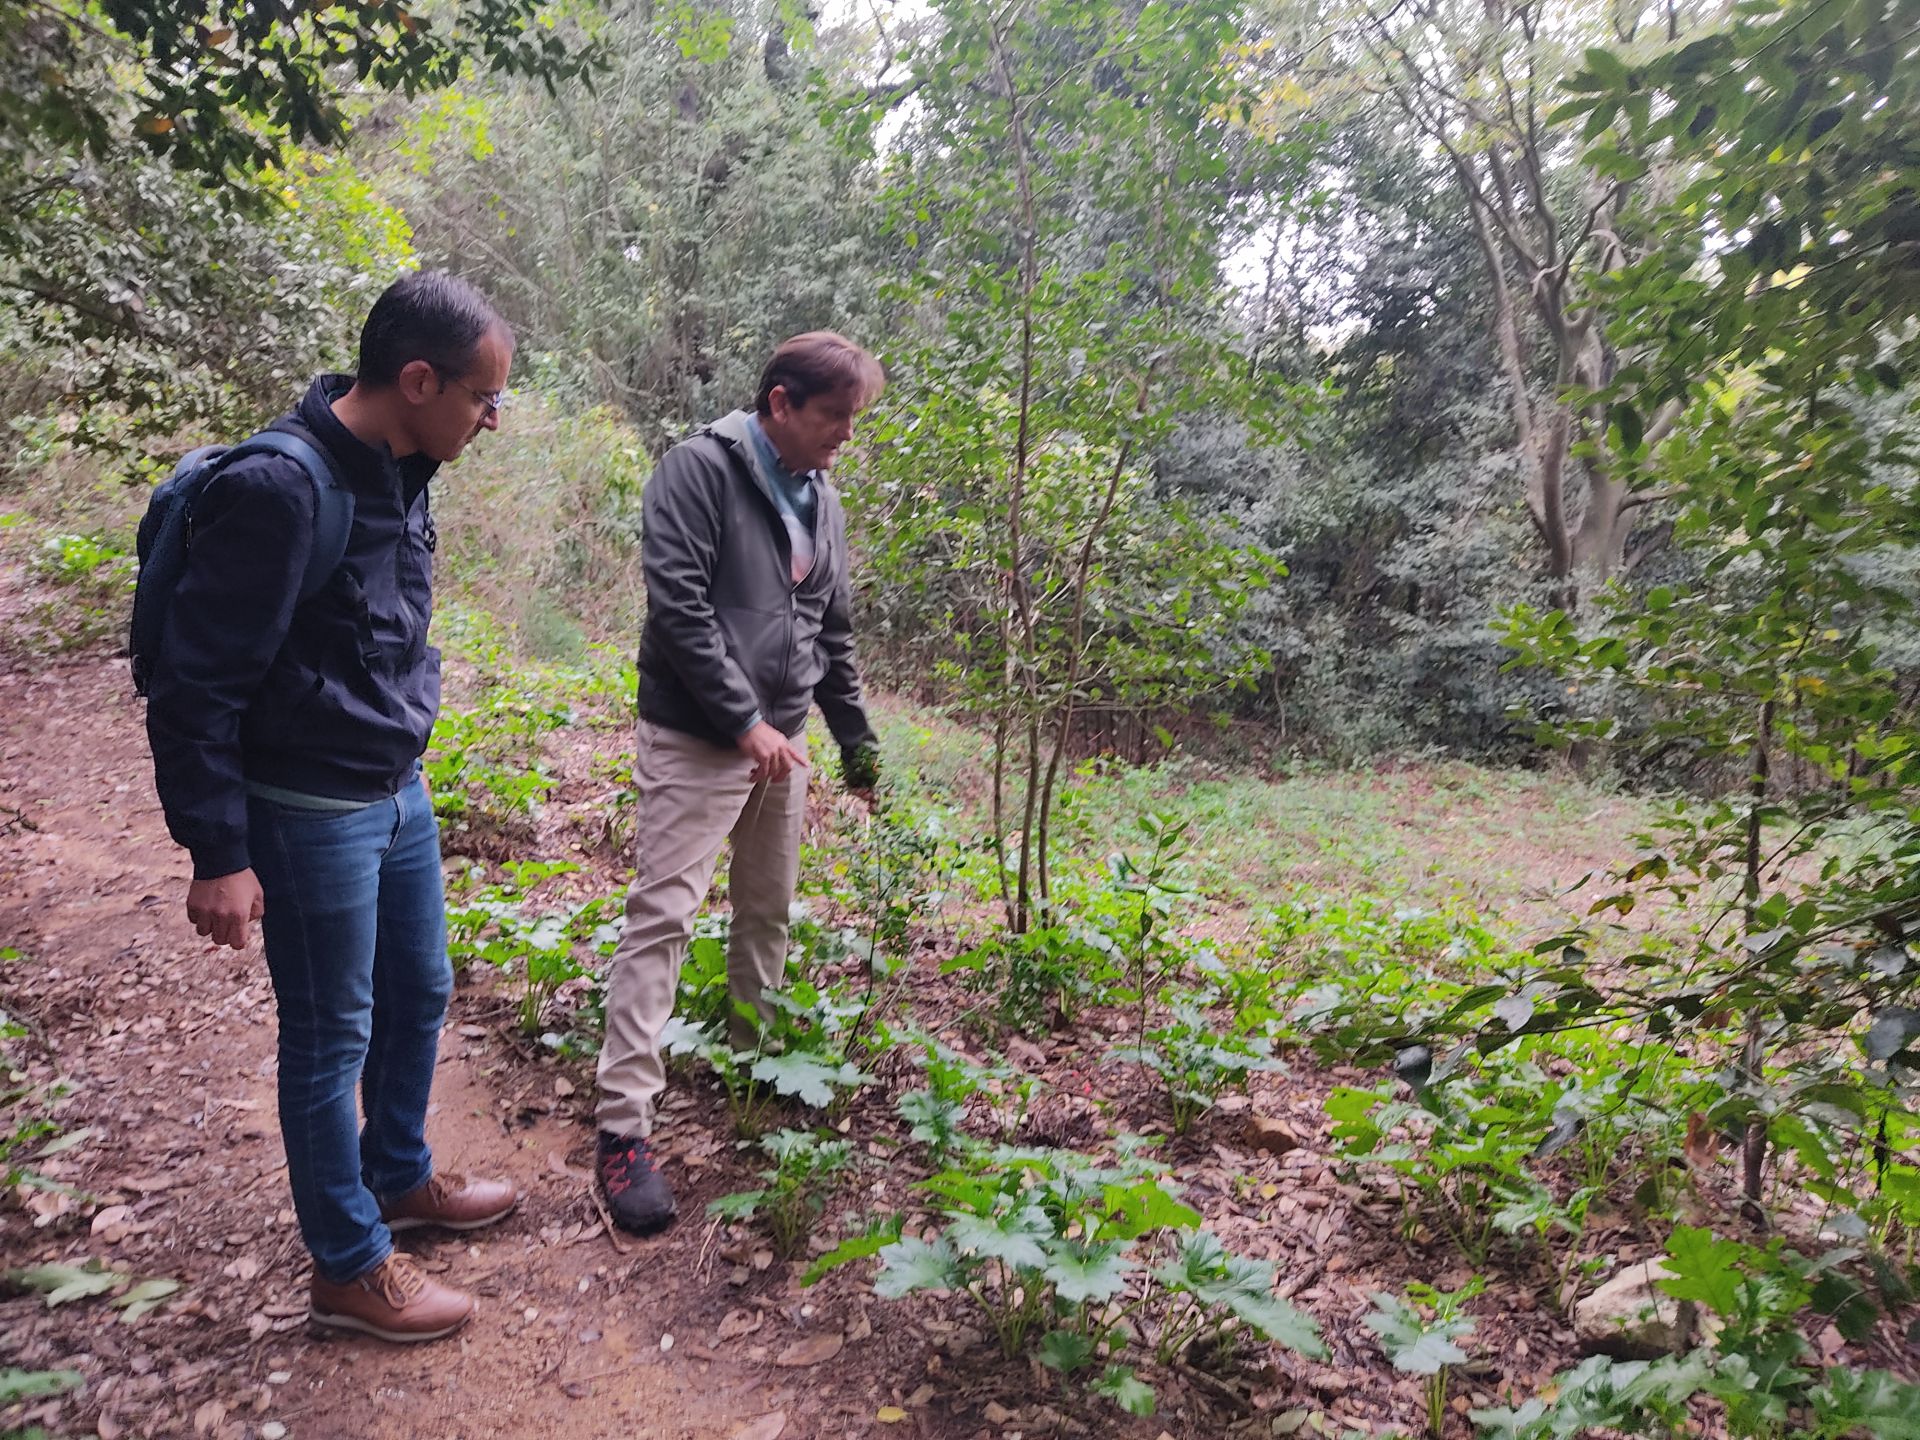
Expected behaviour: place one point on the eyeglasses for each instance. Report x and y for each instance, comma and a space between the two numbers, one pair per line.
494, 402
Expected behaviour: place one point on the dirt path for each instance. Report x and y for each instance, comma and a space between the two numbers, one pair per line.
168, 1049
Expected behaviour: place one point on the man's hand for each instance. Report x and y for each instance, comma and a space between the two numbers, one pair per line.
860, 766
225, 909
773, 755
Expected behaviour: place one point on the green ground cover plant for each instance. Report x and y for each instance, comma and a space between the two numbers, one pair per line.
805, 1168
1056, 1251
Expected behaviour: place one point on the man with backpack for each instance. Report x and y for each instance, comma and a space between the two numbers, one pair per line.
748, 624
281, 636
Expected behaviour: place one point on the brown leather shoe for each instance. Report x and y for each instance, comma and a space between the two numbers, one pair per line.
452, 1202
396, 1300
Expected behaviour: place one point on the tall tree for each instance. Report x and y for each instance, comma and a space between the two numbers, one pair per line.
149, 157
1477, 81
658, 236
1066, 177
1779, 307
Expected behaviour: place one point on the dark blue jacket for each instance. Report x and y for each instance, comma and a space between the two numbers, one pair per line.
333, 697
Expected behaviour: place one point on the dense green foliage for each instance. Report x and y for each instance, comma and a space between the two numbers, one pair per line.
176, 246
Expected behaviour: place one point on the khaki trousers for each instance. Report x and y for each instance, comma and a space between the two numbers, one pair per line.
693, 797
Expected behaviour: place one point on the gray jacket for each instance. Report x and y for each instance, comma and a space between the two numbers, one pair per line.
727, 633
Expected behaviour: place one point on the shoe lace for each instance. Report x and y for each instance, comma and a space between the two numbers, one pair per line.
442, 1187
618, 1167
399, 1281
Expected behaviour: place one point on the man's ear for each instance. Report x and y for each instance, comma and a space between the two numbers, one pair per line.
418, 382
779, 403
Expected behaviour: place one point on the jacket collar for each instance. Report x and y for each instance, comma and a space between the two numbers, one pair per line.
735, 431
362, 466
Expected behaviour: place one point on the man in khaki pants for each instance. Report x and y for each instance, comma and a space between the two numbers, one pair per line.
745, 552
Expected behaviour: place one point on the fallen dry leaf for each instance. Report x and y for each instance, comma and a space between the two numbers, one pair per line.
1703, 1142
861, 1327
207, 1418
737, 1323
768, 1427
1027, 1053
1276, 1137
811, 1351
114, 1216
48, 1206
890, 1415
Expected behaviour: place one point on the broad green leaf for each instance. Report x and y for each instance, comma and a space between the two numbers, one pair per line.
1514, 1010
805, 1077
1627, 420
1280, 1322
1869, 1402
741, 1205
1012, 1239
1198, 1262
1064, 1350
1120, 1385
1087, 1273
908, 1265
1413, 1343
32, 1384
1606, 67
64, 1283
1705, 1269
145, 1296
680, 1037
1143, 1207
854, 1247
1892, 1030
1501, 1423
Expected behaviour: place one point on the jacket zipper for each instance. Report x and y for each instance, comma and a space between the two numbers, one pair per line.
793, 594
777, 530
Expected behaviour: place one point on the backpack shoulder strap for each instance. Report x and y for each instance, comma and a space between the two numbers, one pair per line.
332, 501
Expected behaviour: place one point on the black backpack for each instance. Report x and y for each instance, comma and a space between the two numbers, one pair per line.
166, 530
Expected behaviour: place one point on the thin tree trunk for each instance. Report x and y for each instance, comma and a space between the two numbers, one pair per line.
1753, 1149
1019, 598
1077, 631
1000, 815
1024, 907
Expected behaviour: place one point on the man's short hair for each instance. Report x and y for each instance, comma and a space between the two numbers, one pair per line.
429, 315
819, 363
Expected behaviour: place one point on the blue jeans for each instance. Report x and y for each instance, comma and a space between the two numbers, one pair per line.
356, 939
